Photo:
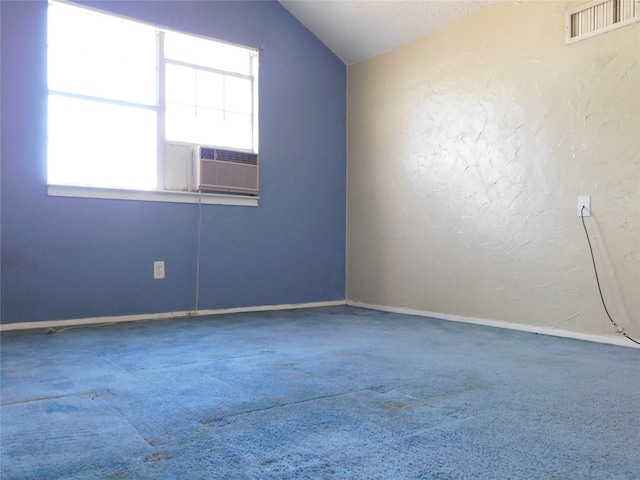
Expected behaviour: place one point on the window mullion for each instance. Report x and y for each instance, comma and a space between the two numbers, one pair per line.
161, 99
122, 103
208, 69
254, 103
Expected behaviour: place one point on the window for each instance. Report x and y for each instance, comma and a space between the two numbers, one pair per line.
208, 92
124, 95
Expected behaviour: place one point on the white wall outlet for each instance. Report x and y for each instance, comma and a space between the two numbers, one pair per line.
158, 270
586, 203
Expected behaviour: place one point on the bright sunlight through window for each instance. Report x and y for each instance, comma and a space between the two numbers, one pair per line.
120, 91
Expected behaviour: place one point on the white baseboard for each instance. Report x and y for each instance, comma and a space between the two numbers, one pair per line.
160, 316
612, 340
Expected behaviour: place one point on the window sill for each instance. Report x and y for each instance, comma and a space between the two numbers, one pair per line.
151, 195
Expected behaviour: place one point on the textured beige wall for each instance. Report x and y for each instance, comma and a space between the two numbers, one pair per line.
467, 150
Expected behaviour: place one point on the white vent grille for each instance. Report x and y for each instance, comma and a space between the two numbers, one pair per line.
600, 16
226, 171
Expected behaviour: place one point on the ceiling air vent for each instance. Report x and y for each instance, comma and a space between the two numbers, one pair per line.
600, 16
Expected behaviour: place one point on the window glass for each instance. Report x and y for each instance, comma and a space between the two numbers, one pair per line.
207, 53
100, 56
210, 90
100, 144
237, 129
210, 127
237, 95
181, 122
208, 108
180, 84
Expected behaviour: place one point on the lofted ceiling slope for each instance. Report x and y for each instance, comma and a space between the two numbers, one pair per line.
356, 30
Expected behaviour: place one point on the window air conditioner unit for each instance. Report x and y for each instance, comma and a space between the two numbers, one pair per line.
225, 171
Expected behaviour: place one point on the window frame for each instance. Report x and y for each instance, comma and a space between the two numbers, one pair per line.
160, 193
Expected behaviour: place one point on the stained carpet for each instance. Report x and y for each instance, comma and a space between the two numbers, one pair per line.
325, 393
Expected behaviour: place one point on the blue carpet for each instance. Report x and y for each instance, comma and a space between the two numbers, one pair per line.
329, 393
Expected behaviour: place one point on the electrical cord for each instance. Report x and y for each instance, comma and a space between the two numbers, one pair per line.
75, 327
51, 330
189, 315
619, 329
198, 254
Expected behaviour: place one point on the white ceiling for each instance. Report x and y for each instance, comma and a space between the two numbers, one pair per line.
356, 30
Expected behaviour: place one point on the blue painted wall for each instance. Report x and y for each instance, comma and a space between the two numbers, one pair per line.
65, 258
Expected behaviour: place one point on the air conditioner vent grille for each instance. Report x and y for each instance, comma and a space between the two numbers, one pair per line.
209, 153
237, 157
600, 16
227, 176
219, 170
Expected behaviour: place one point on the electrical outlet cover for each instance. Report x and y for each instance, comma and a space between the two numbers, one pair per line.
158, 270
586, 203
